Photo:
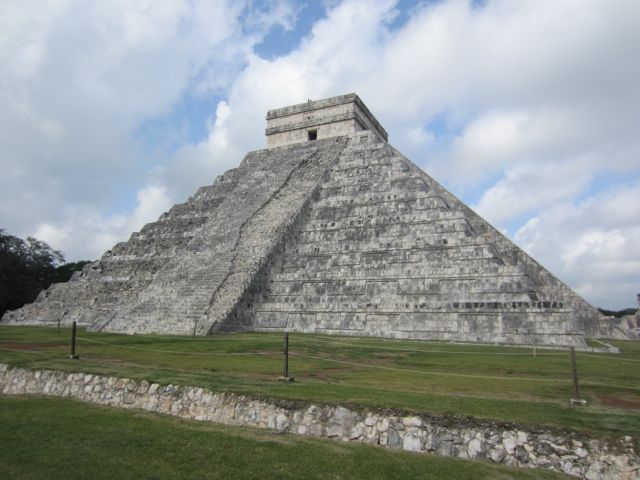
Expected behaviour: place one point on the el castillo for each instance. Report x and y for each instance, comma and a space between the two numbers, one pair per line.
412, 324
328, 230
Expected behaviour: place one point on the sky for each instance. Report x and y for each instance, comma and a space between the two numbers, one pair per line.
527, 110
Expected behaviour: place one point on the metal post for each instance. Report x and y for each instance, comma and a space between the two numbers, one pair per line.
60, 320
286, 355
73, 355
285, 377
574, 373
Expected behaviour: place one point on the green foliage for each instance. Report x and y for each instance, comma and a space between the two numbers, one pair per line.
27, 267
63, 273
47, 438
617, 313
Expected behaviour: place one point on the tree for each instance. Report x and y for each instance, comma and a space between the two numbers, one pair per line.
26, 267
617, 313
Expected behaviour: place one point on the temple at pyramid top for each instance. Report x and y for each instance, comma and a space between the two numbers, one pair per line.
315, 120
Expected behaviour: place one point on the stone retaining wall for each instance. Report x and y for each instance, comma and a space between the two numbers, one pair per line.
500, 443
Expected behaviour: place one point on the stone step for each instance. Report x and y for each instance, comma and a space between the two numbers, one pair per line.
372, 209
378, 165
382, 220
405, 309
410, 183
443, 272
429, 257
404, 286
371, 174
347, 247
369, 199
452, 226
469, 267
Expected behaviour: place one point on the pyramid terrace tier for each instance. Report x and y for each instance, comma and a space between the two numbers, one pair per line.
435, 285
519, 328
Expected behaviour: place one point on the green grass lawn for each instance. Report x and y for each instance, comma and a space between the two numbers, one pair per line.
488, 382
50, 438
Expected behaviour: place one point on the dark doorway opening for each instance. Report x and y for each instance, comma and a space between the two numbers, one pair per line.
312, 134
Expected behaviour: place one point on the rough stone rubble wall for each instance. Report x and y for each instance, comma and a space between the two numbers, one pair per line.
386, 251
623, 328
581, 457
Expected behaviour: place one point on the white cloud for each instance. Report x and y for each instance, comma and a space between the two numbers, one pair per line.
87, 230
219, 134
537, 98
532, 188
79, 78
593, 245
544, 105
51, 234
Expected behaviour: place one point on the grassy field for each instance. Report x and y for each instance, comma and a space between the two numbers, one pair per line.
53, 438
488, 382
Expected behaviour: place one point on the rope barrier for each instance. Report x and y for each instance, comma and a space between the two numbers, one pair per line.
463, 375
34, 329
462, 352
333, 341
426, 372
89, 359
612, 357
21, 350
210, 338
176, 352
358, 344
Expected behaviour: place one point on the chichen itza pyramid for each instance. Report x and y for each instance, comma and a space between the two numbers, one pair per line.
330, 230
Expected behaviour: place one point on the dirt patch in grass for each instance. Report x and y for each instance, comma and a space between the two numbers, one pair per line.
616, 401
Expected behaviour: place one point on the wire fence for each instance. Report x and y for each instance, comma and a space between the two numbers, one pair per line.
174, 352
324, 349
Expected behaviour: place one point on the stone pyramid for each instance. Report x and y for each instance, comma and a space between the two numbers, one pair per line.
330, 230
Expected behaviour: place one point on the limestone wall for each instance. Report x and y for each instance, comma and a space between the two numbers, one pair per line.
341, 125
330, 117
573, 454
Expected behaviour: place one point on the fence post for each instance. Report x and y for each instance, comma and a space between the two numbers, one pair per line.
60, 320
286, 355
73, 355
285, 377
574, 374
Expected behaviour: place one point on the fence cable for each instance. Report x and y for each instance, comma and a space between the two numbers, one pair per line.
465, 352
331, 341
177, 352
463, 375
